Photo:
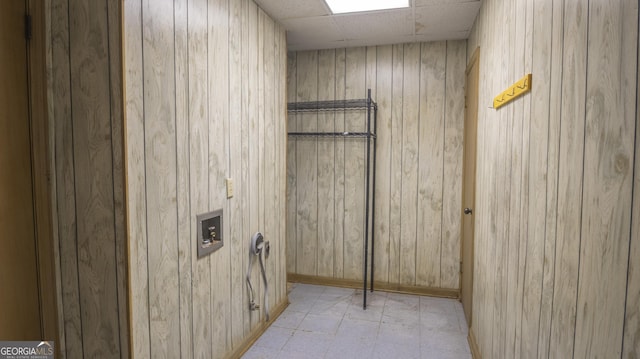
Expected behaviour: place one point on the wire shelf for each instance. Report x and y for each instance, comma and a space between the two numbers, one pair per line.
332, 105
371, 115
333, 134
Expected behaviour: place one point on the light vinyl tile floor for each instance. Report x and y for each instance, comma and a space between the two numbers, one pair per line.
328, 322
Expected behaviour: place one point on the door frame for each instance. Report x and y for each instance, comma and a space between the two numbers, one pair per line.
473, 60
41, 166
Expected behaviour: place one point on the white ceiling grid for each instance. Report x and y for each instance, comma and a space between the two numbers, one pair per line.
311, 26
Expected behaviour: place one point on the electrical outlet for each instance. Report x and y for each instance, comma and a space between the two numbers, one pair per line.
229, 187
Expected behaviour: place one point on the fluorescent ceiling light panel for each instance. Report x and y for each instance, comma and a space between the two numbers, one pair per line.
344, 6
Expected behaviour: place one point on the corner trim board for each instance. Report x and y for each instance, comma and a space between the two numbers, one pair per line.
473, 345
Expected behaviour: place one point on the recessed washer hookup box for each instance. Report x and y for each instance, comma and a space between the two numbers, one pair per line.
209, 228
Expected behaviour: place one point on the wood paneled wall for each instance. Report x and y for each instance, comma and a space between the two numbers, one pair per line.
205, 100
419, 89
85, 98
557, 241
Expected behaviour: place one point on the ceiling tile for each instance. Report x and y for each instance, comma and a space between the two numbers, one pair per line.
392, 23
290, 9
445, 18
441, 2
310, 25
312, 29
380, 41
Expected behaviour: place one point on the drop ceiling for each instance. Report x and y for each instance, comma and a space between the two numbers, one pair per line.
310, 24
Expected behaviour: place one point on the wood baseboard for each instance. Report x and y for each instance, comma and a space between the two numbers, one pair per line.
473, 345
385, 287
259, 330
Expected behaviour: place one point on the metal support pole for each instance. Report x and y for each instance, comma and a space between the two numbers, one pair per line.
366, 215
373, 200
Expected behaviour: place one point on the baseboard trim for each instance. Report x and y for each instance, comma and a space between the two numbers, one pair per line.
259, 330
385, 287
473, 345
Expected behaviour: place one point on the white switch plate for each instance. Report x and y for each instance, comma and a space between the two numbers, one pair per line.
229, 182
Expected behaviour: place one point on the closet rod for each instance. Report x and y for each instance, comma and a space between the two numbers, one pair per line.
331, 105
332, 134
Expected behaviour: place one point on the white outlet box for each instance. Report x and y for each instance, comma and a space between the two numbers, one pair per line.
229, 182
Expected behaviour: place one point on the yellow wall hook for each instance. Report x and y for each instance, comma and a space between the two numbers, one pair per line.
514, 91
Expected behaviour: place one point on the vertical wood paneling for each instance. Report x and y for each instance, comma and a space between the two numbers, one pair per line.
65, 180
371, 80
607, 192
515, 276
473, 43
270, 46
87, 134
244, 195
214, 117
409, 183
326, 165
520, 182
500, 204
182, 186
488, 205
218, 35
498, 127
95, 210
452, 176
198, 170
282, 164
136, 179
433, 61
525, 181
410, 84
292, 172
277, 289
475, 39
537, 177
114, 17
503, 188
307, 195
354, 167
371, 73
255, 176
395, 169
570, 180
544, 332
160, 160
270, 146
177, 98
339, 227
261, 117
631, 339
383, 143
238, 244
